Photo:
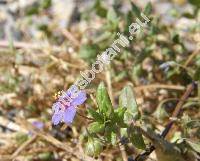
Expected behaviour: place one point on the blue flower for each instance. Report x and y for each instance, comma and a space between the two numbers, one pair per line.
65, 108
165, 66
38, 124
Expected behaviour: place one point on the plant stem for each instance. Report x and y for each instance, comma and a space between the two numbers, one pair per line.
143, 156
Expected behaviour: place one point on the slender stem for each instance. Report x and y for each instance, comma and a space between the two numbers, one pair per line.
143, 156
177, 110
109, 84
84, 116
192, 56
157, 86
71, 38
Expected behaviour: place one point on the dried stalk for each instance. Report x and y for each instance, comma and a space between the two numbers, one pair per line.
144, 155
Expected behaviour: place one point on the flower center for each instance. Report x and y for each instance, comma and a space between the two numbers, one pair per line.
64, 103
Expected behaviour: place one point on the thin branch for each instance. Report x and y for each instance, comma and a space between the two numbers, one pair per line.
71, 38
191, 57
60, 145
109, 84
85, 117
6, 44
123, 152
23, 146
177, 110
93, 100
144, 155
26, 45
159, 86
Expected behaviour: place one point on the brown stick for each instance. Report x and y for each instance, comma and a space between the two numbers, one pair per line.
22, 147
192, 56
5, 44
26, 45
159, 86
143, 156
71, 38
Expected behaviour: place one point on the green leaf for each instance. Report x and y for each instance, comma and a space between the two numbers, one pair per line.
113, 138
88, 52
93, 147
103, 37
97, 117
127, 100
119, 116
33, 9
160, 112
128, 20
135, 10
197, 74
21, 137
176, 137
96, 127
103, 101
108, 39
148, 8
195, 2
47, 156
45, 4
136, 138
120, 112
112, 17
100, 10
137, 71
194, 146
198, 87
109, 130
144, 54
176, 38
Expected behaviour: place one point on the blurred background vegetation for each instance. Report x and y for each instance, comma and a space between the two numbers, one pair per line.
44, 44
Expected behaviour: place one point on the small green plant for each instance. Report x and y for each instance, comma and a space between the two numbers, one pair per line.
110, 124
124, 124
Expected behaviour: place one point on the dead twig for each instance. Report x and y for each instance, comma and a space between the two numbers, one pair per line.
144, 155
62, 62
159, 86
25, 45
93, 100
109, 84
60, 145
177, 110
71, 38
22, 147
191, 57
123, 152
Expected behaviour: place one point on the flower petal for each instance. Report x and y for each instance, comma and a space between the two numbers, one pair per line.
56, 118
65, 97
80, 98
69, 115
38, 124
56, 107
